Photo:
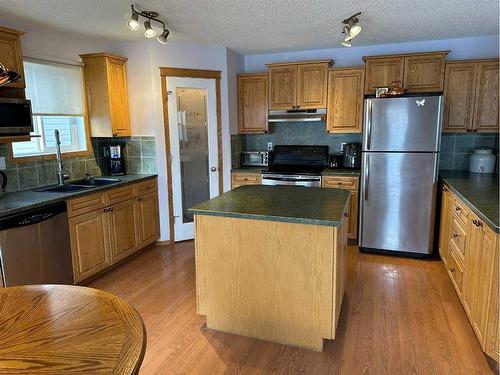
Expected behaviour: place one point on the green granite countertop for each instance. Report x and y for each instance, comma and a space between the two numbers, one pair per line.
19, 201
293, 204
478, 191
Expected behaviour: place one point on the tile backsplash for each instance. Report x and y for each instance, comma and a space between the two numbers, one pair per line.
140, 157
456, 149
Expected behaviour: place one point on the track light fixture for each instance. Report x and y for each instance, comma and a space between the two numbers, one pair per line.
351, 29
149, 31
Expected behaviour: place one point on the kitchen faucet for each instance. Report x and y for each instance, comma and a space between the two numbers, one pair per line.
61, 176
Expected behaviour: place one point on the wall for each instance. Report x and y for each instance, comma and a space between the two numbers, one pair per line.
456, 149
235, 65
462, 48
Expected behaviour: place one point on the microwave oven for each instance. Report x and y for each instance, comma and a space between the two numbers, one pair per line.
255, 158
15, 117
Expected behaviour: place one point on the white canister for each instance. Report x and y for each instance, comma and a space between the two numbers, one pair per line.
482, 161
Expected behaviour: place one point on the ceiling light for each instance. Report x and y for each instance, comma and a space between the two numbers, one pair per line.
133, 22
162, 38
346, 43
149, 32
351, 29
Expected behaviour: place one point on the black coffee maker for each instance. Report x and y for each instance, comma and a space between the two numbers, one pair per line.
116, 160
351, 156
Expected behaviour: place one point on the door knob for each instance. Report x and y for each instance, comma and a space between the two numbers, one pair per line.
213, 169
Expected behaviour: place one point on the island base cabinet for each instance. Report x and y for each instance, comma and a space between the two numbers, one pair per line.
276, 281
90, 247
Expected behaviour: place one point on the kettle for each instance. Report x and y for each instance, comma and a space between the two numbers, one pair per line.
3, 182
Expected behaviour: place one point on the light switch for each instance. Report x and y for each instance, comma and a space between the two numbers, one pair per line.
2, 163
269, 146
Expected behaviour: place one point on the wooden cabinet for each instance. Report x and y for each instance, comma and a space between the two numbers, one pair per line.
351, 184
90, 245
298, 85
245, 178
108, 227
417, 73
471, 96
472, 264
105, 78
345, 100
148, 218
11, 54
252, 103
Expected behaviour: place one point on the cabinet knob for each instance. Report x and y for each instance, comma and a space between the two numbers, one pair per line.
444, 188
346, 214
474, 130
457, 208
455, 235
452, 269
115, 134
139, 199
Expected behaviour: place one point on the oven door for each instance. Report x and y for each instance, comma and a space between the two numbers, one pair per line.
15, 117
298, 180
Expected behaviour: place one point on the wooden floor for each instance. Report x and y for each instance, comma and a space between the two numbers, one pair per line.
399, 316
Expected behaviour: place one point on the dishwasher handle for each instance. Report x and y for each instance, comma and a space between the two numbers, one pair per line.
32, 217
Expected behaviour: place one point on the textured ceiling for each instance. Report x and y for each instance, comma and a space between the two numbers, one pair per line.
258, 26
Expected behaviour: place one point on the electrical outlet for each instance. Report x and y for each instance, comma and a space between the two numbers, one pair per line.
342, 146
2, 163
269, 146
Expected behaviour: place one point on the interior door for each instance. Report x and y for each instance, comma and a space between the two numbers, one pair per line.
193, 145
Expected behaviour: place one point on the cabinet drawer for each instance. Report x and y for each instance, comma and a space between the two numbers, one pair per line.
146, 186
119, 194
350, 183
460, 210
456, 272
86, 204
245, 179
458, 237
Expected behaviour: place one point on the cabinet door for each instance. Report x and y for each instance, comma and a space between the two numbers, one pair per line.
123, 229
472, 260
486, 98
492, 339
345, 100
118, 97
353, 216
283, 87
424, 73
11, 55
252, 103
241, 178
383, 72
90, 243
148, 218
312, 82
459, 89
445, 225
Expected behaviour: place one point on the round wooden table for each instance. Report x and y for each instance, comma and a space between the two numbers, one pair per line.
65, 329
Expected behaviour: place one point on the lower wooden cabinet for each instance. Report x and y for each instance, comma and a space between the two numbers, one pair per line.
102, 236
469, 249
351, 184
245, 178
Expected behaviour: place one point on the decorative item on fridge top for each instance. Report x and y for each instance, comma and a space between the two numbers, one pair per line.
7, 76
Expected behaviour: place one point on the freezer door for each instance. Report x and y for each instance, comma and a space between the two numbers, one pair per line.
403, 124
398, 196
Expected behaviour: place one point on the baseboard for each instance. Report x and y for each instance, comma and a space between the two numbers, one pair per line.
162, 243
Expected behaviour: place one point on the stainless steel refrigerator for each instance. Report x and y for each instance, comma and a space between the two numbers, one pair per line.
401, 141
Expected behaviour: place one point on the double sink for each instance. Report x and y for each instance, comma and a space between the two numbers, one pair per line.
84, 184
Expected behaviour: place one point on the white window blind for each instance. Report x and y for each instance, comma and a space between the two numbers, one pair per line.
55, 91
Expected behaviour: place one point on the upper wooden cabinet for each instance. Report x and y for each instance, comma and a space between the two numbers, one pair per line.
252, 103
298, 85
420, 72
471, 96
106, 86
345, 100
12, 58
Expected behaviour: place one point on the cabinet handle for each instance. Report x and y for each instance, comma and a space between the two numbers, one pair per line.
139, 199
110, 209
115, 134
455, 235
457, 208
452, 269
444, 188
346, 214
105, 210
474, 130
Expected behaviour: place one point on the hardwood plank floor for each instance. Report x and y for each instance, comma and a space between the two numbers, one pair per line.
399, 316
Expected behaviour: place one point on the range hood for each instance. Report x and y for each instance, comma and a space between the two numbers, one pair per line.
297, 115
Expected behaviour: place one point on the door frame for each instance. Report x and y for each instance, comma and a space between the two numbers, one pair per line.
166, 72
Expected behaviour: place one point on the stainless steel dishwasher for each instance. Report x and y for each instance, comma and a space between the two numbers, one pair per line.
35, 247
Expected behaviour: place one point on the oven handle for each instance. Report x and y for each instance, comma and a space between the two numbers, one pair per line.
292, 179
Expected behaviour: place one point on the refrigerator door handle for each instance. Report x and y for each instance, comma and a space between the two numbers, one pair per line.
369, 125
366, 177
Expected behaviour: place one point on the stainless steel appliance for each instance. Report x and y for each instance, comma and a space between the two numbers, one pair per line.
351, 156
297, 115
15, 117
296, 165
35, 248
255, 158
401, 141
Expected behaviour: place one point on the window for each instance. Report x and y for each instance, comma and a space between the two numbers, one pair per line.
55, 91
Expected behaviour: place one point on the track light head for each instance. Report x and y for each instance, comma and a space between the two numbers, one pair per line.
149, 32
162, 38
133, 22
351, 29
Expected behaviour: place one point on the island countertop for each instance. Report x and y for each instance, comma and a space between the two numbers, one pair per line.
478, 191
293, 204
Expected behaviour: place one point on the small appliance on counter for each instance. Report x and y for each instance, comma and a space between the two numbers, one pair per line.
336, 161
255, 158
482, 161
116, 160
351, 156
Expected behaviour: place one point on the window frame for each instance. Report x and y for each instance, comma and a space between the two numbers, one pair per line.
67, 154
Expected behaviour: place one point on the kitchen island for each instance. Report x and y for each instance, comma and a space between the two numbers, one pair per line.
271, 262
